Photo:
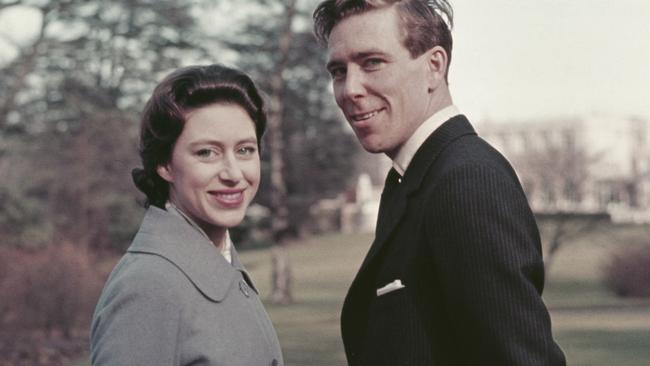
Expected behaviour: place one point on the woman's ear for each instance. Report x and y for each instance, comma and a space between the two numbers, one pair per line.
164, 171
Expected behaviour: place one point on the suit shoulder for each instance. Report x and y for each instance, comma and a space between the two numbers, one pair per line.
471, 153
473, 149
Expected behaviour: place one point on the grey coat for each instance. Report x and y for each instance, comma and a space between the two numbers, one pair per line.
174, 300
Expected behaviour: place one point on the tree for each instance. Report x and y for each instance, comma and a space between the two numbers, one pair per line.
281, 275
72, 95
68, 114
73, 185
310, 151
555, 171
560, 228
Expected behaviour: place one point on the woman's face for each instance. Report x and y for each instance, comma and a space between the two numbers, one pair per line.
214, 170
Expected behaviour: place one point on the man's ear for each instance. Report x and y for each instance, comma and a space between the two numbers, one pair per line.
437, 61
164, 171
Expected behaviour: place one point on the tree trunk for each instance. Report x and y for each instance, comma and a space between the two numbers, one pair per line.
281, 267
281, 275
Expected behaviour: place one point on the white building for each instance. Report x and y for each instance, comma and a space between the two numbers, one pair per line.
592, 164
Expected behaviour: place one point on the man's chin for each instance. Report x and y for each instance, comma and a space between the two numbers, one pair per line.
371, 147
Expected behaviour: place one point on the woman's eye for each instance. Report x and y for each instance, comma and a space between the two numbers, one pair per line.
247, 150
205, 153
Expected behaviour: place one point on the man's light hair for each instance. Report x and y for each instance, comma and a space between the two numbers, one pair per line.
426, 23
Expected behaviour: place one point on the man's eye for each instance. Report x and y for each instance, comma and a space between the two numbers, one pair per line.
373, 63
337, 72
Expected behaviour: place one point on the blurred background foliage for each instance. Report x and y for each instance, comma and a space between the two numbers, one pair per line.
70, 103
71, 95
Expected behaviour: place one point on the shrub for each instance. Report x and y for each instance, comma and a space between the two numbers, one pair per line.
54, 288
628, 272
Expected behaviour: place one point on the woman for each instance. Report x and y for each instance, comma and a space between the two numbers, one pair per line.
180, 295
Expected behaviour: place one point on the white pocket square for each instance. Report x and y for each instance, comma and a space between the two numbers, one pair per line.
395, 285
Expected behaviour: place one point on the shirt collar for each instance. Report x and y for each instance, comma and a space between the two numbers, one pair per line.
411, 146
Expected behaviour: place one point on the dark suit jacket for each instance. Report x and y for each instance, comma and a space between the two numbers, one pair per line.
459, 234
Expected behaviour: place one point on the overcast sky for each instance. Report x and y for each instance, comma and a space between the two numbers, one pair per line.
526, 59
533, 59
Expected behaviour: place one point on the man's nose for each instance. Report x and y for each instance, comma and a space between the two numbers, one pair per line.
354, 85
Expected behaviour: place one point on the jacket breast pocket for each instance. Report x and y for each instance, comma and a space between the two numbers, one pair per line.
391, 301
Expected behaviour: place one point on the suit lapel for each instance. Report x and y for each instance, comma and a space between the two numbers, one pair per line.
394, 204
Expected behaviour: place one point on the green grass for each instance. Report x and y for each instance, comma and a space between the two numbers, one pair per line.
592, 325
606, 348
323, 268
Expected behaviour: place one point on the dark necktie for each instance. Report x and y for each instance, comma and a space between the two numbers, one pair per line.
393, 180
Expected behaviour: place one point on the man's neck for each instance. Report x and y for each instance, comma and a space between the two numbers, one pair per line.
440, 99
407, 151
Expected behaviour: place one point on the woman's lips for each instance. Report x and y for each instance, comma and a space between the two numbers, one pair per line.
228, 198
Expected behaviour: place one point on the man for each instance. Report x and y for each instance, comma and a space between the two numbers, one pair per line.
455, 274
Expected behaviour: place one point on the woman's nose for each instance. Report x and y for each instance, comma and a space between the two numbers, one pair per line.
230, 171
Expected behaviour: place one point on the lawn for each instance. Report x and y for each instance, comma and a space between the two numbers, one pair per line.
592, 326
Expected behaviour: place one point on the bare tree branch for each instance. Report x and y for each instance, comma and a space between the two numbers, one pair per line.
9, 4
25, 61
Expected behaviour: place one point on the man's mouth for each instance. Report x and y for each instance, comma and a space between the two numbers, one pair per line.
364, 116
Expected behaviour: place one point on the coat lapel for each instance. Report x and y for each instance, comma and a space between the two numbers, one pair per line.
167, 235
393, 206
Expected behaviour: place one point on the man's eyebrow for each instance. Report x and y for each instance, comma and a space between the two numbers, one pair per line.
333, 63
368, 53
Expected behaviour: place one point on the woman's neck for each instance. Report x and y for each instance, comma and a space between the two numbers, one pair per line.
216, 234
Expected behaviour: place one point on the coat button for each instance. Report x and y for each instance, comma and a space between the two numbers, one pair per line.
243, 287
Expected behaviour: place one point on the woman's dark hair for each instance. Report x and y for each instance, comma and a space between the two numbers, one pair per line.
163, 118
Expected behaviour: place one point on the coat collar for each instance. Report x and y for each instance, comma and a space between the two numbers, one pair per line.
394, 210
169, 236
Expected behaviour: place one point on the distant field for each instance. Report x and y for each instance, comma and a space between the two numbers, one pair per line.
593, 327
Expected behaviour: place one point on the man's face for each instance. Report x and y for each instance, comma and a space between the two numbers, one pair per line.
382, 91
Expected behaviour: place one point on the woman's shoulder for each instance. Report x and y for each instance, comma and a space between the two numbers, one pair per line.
146, 275
141, 307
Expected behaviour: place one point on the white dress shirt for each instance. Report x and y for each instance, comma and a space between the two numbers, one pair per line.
411, 146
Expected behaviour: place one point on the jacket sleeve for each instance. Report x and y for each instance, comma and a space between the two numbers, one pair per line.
137, 321
486, 249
